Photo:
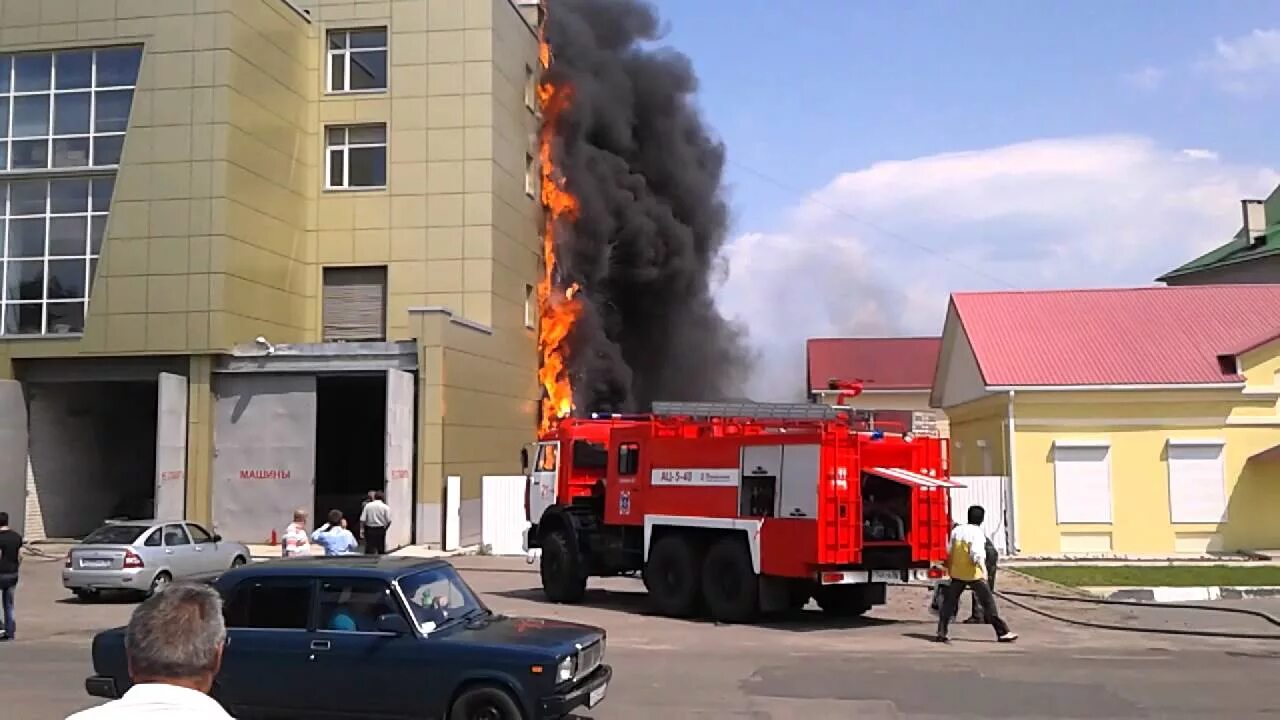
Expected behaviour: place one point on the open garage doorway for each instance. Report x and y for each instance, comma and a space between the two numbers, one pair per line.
315, 441
350, 435
93, 453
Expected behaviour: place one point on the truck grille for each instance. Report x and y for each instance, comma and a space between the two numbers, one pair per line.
589, 658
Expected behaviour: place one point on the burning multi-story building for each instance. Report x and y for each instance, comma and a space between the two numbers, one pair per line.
265, 254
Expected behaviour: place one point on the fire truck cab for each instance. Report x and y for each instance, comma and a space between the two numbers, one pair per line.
738, 508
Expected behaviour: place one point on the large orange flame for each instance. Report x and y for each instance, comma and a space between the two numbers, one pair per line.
558, 308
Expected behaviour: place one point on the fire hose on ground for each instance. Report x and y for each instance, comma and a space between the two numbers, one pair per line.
1010, 595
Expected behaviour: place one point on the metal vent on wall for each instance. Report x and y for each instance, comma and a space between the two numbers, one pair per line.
759, 411
355, 300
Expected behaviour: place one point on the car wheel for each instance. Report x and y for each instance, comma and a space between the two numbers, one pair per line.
729, 583
671, 576
159, 583
561, 569
85, 594
239, 561
485, 702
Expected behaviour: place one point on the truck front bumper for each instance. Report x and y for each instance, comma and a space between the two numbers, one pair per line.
589, 693
101, 686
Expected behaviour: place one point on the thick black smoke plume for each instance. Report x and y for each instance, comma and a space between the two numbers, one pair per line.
647, 175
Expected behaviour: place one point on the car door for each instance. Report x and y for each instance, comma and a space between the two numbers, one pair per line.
267, 666
208, 553
180, 553
353, 656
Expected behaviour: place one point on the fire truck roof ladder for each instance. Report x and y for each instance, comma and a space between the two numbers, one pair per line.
752, 410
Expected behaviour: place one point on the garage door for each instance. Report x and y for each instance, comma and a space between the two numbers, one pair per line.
264, 443
1197, 492
1082, 483
13, 453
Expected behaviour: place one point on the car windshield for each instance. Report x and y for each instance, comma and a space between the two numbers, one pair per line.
115, 535
439, 596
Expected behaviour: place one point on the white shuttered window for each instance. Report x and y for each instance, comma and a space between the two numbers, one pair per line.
355, 303
1082, 482
1197, 486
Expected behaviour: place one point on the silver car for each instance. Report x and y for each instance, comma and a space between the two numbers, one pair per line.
146, 555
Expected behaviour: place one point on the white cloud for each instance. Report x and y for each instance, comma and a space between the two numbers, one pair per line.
1145, 78
1199, 154
878, 250
1245, 64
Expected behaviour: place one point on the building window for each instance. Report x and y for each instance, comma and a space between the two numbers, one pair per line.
530, 176
358, 60
530, 307
52, 231
66, 109
357, 157
355, 304
1082, 482
1197, 482
530, 89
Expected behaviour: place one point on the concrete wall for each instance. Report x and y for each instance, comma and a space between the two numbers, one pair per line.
979, 436
474, 380
448, 226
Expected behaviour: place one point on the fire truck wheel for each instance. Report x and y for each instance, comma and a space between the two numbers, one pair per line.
562, 578
729, 583
671, 576
842, 600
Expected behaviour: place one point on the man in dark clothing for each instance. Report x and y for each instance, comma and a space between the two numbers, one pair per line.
976, 615
10, 545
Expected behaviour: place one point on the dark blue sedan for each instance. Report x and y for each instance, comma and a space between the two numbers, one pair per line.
381, 637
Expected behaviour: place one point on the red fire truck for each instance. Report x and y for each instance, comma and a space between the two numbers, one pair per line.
738, 508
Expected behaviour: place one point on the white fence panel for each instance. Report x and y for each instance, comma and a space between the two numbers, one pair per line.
452, 513
502, 517
993, 493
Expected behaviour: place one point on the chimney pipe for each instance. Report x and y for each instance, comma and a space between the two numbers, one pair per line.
1255, 221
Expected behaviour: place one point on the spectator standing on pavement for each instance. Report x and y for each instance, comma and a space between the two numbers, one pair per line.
965, 566
334, 536
296, 542
375, 519
174, 645
368, 498
10, 547
976, 615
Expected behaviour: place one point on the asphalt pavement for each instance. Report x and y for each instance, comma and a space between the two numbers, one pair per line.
806, 666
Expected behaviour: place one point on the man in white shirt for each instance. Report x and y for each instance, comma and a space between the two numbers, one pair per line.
375, 519
965, 568
174, 645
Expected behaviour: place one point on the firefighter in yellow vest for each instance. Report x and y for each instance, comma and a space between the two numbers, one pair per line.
965, 567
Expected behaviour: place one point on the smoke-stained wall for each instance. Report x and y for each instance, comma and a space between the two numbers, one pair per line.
647, 174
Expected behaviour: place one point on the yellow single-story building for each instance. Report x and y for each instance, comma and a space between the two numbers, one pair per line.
1134, 422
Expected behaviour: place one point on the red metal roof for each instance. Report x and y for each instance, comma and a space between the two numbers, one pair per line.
881, 363
1132, 336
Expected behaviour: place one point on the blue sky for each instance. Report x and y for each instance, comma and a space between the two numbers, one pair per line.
932, 147
805, 90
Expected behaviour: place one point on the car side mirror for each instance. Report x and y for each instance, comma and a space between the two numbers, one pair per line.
524, 460
393, 623
217, 538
